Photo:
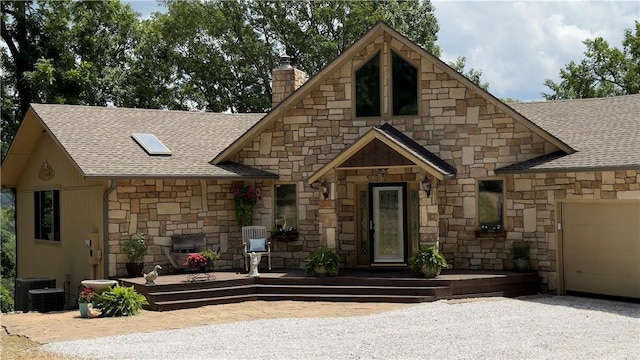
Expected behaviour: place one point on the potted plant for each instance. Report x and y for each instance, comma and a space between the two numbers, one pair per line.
86, 297
323, 261
520, 252
428, 261
196, 261
135, 246
211, 257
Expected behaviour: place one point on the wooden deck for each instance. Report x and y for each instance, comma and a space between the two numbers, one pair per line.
173, 292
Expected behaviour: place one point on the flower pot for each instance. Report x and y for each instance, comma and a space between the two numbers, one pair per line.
521, 264
84, 310
430, 272
134, 269
321, 270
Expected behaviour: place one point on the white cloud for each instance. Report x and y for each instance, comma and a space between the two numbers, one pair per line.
518, 45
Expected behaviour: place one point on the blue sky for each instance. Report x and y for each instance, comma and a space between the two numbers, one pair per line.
518, 44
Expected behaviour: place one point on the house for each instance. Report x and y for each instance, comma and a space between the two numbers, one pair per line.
384, 149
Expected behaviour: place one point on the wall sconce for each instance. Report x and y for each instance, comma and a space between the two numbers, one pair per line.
383, 172
426, 185
324, 188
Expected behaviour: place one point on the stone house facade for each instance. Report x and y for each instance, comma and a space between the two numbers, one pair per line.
456, 168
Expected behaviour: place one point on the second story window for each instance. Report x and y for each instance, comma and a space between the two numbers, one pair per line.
368, 88
405, 86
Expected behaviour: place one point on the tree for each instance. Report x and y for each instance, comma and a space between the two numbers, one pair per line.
605, 71
62, 52
472, 74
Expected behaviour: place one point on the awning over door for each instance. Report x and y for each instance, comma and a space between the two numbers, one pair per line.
384, 147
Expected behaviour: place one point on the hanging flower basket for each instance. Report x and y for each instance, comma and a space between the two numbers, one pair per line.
245, 199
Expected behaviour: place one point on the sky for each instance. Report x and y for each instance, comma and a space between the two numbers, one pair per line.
518, 44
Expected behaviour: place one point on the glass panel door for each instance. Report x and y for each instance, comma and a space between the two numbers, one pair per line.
388, 224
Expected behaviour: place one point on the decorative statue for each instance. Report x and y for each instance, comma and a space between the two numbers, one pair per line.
254, 262
152, 276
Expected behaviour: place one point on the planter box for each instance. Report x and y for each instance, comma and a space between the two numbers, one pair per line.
292, 236
488, 235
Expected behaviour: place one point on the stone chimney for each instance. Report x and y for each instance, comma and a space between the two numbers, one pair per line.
285, 79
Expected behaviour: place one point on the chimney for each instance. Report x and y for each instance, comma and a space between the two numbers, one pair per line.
285, 79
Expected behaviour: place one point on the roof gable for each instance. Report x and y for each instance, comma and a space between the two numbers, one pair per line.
369, 37
400, 145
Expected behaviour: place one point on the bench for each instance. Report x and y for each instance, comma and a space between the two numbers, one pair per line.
190, 243
182, 246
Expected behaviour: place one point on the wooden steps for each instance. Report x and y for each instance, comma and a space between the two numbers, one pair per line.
227, 288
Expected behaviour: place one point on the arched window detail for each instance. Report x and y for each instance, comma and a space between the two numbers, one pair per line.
405, 86
368, 88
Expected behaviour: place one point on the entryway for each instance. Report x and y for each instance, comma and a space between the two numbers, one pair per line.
388, 223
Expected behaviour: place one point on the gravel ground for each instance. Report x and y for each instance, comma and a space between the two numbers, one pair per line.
538, 327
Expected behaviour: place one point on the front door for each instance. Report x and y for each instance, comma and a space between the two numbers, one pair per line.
387, 226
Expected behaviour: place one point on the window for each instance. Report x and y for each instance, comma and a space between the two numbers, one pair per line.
286, 206
405, 86
368, 88
47, 215
490, 206
151, 144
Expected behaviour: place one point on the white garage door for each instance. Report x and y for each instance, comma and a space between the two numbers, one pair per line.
601, 247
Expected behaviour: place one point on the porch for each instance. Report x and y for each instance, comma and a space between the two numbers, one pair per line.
173, 292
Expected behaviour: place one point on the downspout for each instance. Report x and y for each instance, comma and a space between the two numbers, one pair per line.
105, 229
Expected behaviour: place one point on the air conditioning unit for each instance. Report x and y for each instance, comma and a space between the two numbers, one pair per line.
23, 285
45, 300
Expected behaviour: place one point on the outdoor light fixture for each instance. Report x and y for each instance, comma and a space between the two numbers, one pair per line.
426, 186
323, 186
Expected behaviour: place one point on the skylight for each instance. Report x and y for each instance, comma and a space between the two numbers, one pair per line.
151, 144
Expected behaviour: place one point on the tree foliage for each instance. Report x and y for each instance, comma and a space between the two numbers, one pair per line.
605, 70
74, 52
471, 74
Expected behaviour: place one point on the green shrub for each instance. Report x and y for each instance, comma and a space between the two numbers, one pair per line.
6, 300
120, 301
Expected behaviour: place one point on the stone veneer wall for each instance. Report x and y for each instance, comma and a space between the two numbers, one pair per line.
161, 208
531, 207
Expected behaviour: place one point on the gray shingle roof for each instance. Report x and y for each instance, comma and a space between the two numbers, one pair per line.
605, 132
99, 140
409, 144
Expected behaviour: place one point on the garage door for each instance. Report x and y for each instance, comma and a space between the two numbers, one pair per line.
601, 247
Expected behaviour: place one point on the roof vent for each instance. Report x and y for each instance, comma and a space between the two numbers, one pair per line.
151, 144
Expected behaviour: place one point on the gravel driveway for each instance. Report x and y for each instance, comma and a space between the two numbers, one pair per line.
538, 327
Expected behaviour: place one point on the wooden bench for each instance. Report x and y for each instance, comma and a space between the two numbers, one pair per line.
182, 246
189, 243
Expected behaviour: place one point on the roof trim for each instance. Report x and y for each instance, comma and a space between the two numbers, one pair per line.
406, 147
505, 171
536, 165
306, 88
233, 167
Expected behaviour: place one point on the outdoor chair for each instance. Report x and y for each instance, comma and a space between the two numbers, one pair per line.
255, 239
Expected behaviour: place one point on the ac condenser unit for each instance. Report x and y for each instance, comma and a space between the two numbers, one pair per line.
23, 285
